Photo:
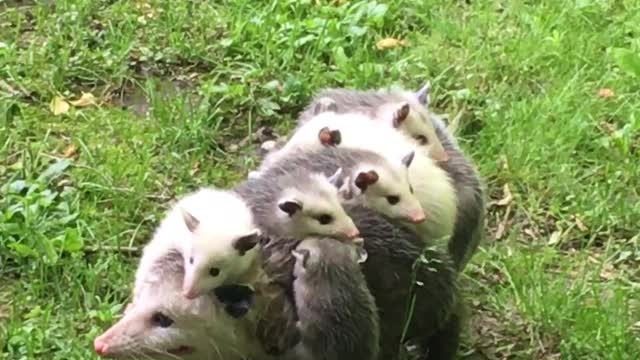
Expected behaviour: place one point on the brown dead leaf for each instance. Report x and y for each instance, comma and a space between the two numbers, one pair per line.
580, 224
195, 168
507, 196
58, 106
390, 43
85, 100
605, 93
70, 151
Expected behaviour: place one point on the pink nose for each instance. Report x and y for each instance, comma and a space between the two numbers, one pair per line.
189, 294
100, 346
417, 218
352, 234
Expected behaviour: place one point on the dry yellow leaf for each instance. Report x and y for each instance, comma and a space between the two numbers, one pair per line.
390, 43
85, 100
58, 105
70, 151
605, 93
507, 196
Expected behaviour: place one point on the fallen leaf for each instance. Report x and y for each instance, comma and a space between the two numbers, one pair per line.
507, 196
390, 43
554, 238
85, 100
58, 106
605, 93
70, 151
580, 224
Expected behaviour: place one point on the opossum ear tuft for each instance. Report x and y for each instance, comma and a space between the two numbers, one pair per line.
301, 255
290, 206
364, 179
246, 242
401, 114
423, 95
190, 221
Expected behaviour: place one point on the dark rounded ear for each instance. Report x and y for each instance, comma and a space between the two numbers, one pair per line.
290, 206
401, 113
423, 94
301, 255
364, 179
329, 137
189, 220
246, 242
407, 159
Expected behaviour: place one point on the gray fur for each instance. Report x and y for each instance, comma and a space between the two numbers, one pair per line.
324, 307
392, 250
469, 227
262, 195
323, 160
348, 100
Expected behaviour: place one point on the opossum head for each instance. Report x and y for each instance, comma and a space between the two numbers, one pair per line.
314, 255
163, 324
385, 187
309, 205
223, 244
412, 118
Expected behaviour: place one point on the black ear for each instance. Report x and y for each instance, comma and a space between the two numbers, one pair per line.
301, 255
290, 206
246, 242
423, 94
401, 113
189, 220
329, 137
364, 179
407, 159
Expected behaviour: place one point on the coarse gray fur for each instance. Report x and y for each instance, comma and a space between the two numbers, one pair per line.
348, 100
323, 160
324, 306
392, 249
262, 195
469, 227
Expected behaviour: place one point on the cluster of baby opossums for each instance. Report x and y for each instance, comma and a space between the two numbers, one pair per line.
328, 227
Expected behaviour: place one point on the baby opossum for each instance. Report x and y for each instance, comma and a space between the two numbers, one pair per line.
369, 178
392, 251
297, 204
396, 107
469, 225
165, 325
214, 232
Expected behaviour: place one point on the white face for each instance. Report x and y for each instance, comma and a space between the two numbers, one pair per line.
389, 193
315, 212
215, 260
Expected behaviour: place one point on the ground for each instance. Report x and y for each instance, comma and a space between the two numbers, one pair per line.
548, 92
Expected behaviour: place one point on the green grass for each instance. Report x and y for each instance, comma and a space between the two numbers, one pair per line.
210, 73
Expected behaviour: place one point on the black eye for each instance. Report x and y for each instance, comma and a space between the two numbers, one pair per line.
393, 199
422, 140
324, 219
191, 260
214, 271
160, 319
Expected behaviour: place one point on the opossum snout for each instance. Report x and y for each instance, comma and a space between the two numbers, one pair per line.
417, 217
100, 346
352, 234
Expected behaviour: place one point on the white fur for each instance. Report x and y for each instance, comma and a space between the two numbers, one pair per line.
321, 199
223, 217
201, 324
